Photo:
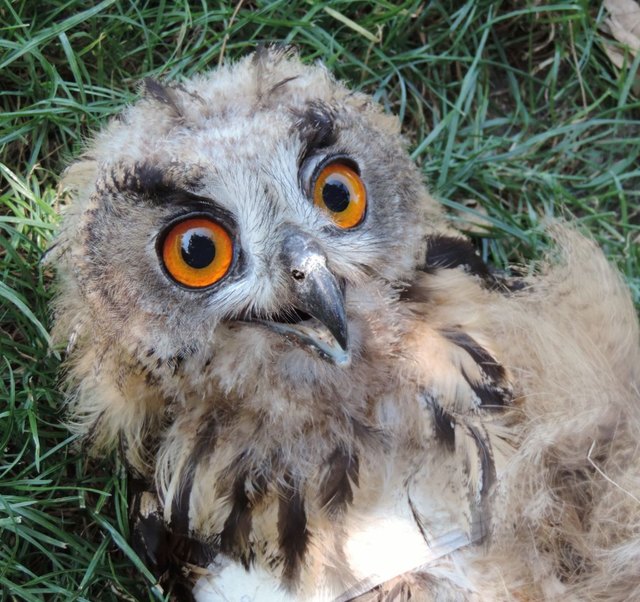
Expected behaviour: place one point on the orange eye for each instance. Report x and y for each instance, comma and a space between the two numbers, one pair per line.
197, 252
340, 192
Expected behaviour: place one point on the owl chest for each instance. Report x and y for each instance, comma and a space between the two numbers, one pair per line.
312, 505
331, 489
356, 518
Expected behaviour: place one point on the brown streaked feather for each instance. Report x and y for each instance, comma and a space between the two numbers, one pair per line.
234, 539
341, 475
167, 553
292, 528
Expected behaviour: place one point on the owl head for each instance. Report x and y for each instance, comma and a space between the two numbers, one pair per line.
249, 224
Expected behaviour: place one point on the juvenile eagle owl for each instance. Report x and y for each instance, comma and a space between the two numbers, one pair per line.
319, 389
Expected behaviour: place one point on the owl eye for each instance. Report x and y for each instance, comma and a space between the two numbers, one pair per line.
197, 252
339, 191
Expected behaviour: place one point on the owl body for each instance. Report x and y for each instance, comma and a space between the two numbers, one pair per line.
320, 391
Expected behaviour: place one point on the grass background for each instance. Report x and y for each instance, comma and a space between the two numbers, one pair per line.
512, 104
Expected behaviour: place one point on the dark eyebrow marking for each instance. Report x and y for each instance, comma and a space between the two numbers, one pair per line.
163, 186
148, 179
141, 179
316, 128
152, 182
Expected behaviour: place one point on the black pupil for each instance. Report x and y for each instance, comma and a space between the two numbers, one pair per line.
336, 196
198, 250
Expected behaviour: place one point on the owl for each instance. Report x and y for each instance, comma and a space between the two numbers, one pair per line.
318, 388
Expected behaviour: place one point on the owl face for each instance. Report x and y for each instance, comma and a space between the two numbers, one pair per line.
271, 211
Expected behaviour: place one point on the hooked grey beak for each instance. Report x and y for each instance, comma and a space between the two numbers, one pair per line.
315, 291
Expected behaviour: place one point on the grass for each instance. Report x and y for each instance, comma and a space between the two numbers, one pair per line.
512, 104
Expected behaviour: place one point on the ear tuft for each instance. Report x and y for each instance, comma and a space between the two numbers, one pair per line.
165, 95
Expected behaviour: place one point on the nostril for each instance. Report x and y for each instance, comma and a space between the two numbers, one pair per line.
297, 274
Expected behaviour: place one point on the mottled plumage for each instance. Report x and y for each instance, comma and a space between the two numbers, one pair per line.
333, 400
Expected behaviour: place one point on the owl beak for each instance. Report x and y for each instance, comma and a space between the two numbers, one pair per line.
319, 294
315, 291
